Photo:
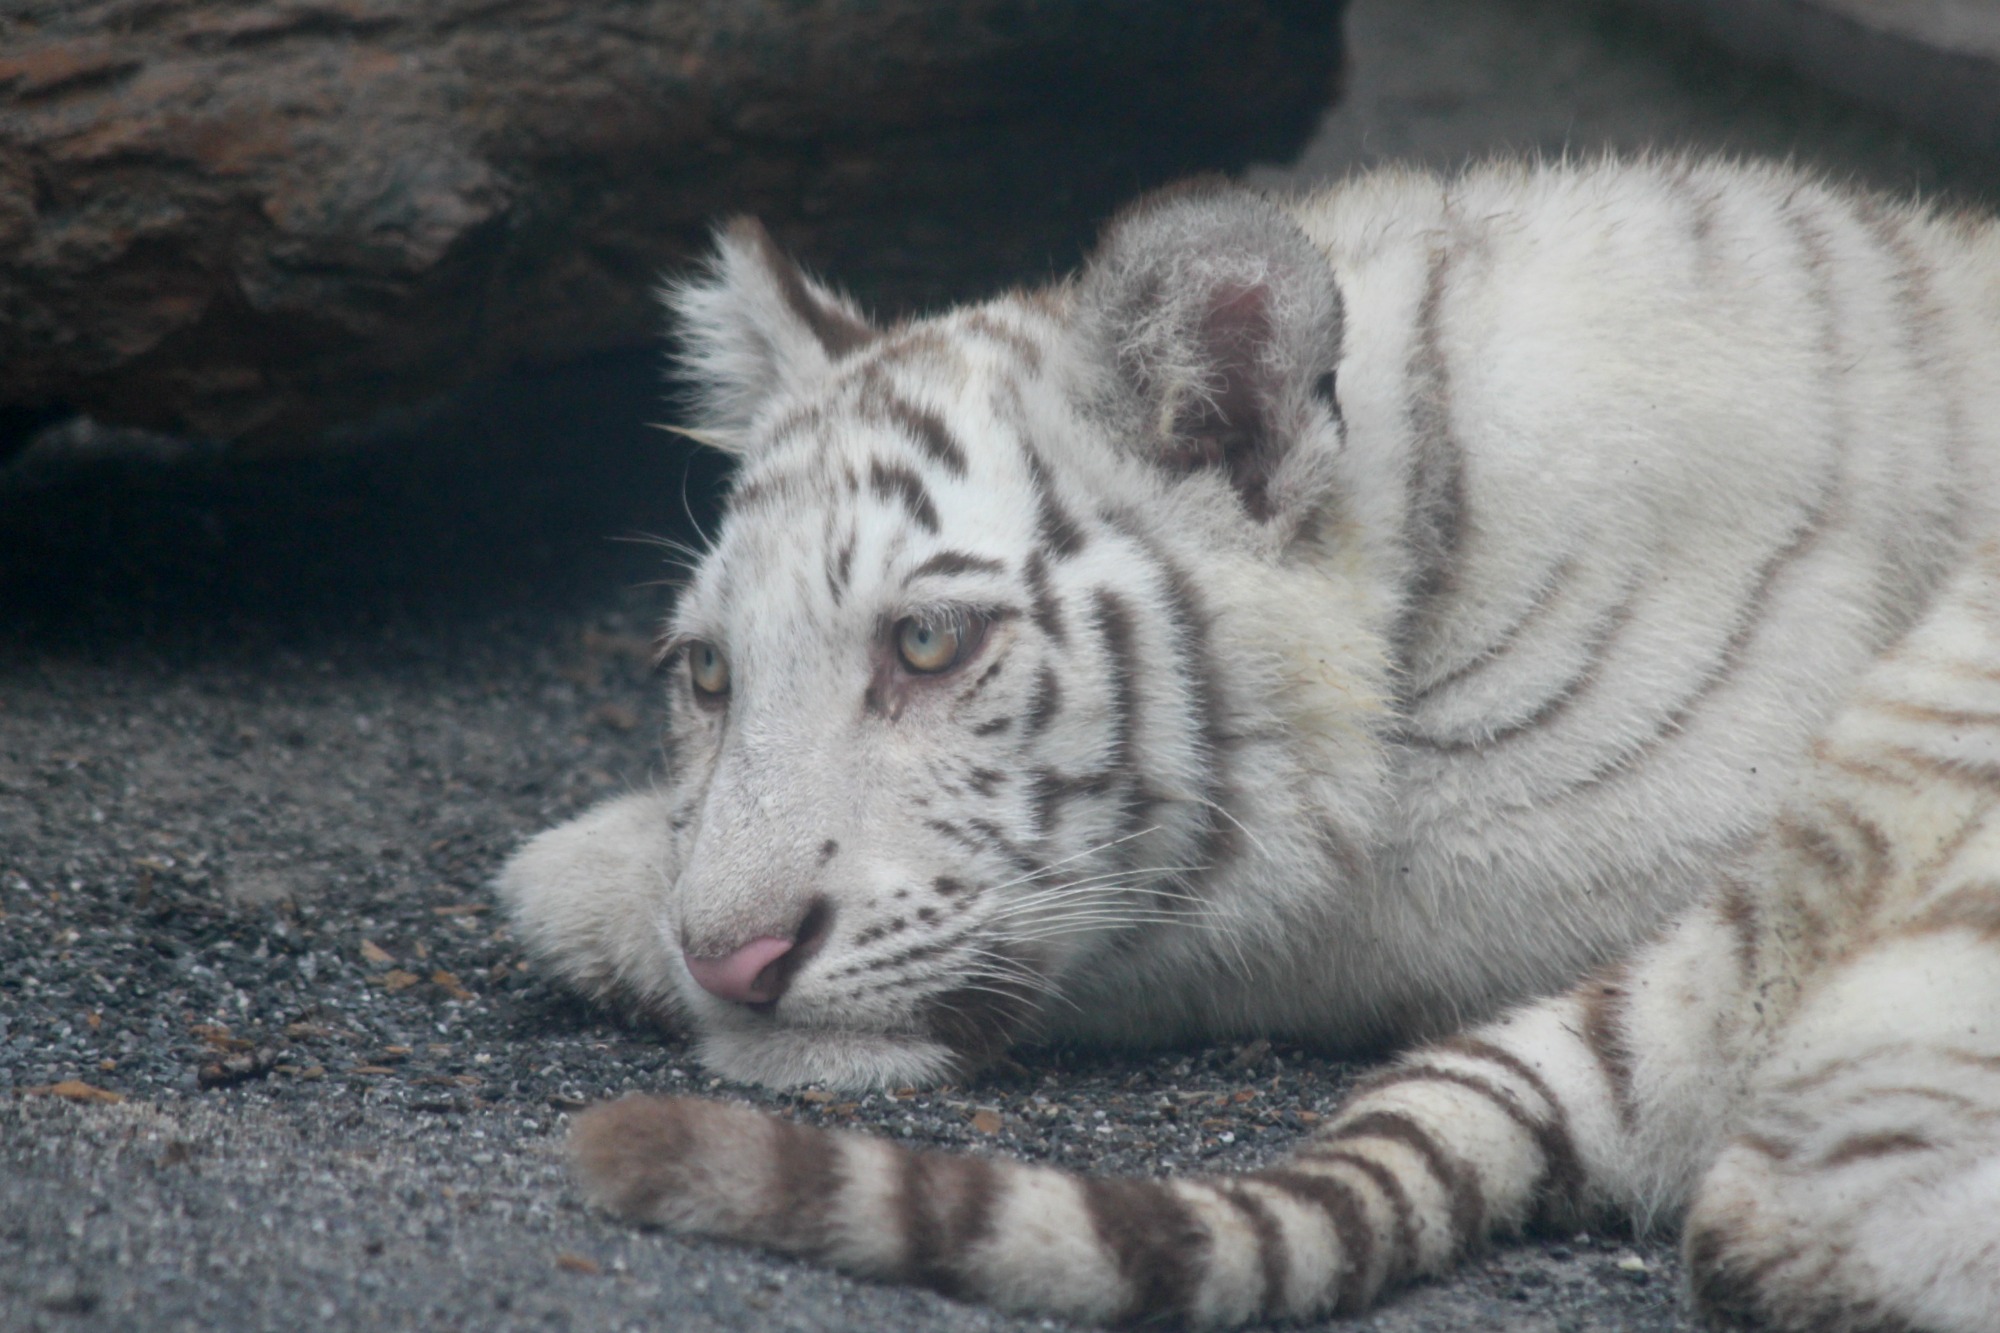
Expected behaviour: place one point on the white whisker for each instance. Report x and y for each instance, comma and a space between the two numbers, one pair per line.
1241, 827
1077, 856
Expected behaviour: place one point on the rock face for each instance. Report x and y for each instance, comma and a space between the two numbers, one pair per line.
252, 220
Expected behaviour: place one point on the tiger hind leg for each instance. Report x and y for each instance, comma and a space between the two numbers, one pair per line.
1861, 1192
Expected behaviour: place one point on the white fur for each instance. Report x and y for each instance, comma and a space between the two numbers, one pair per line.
1663, 435
1359, 719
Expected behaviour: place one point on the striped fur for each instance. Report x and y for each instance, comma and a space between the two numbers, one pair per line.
1384, 607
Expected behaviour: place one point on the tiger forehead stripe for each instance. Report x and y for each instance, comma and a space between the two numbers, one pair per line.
804, 419
894, 482
923, 425
1059, 532
1702, 203
955, 562
750, 491
1058, 529
993, 329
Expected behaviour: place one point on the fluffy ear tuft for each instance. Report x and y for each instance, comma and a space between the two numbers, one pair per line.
751, 323
1216, 324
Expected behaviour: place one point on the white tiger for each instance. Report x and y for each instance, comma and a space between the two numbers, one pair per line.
1343, 618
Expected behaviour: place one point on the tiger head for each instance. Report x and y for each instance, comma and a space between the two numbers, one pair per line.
976, 688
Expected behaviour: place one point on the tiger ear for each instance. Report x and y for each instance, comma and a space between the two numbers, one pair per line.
751, 323
1215, 324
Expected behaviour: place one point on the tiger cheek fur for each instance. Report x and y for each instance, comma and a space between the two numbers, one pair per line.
959, 844
1346, 620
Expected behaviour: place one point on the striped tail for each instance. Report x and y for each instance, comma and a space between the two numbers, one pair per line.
1464, 1139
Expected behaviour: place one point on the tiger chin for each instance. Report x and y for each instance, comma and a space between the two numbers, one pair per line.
1544, 614
588, 899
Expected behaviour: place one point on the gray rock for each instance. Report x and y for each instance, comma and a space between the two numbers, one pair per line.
247, 221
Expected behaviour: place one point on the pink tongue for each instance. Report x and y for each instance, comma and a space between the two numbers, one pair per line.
740, 976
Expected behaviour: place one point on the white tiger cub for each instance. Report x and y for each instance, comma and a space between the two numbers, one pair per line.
1341, 619
1810, 1057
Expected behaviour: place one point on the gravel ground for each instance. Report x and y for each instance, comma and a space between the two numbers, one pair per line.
266, 729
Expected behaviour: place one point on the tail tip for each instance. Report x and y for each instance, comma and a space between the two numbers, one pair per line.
629, 1153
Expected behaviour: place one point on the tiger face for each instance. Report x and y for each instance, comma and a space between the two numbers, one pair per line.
952, 711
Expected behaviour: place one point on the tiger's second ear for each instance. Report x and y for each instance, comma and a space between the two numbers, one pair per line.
1216, 326
750, 324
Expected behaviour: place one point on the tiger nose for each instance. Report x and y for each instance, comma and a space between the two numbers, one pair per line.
751, 974
761, 971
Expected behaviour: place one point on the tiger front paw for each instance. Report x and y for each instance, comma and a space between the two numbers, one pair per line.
588, 899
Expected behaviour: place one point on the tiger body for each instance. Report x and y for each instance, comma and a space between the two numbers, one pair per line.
1364, 614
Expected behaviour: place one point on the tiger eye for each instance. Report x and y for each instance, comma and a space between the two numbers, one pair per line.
708, 670
925, 647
